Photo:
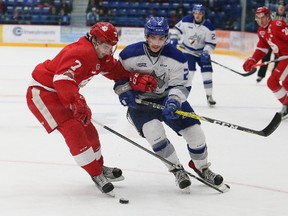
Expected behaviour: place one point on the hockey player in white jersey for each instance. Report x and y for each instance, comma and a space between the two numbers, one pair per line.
196, 36
169, 66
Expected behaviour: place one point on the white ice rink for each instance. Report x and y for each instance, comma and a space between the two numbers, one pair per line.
40, 178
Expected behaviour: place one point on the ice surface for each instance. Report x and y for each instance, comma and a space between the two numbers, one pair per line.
39, 177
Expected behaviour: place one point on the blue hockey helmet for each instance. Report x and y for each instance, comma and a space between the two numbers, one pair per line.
156, 26
198, 8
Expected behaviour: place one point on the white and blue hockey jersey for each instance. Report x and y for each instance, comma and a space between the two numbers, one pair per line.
170, 69
194, 38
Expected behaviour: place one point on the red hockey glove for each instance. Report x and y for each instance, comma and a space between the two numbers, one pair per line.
80, 110
143, 82
249, 64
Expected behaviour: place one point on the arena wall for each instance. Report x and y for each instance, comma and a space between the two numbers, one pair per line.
228, 42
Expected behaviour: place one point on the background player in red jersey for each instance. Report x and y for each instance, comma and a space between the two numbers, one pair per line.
54, 99
274, 34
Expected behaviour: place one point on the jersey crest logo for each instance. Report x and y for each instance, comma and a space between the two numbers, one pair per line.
193, 39
160, 79
278, 23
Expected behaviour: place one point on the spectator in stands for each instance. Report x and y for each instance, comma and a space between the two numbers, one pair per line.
3, 7
16, 16
173, 19
278, 15
46, 3
64, 8
92, 17
64, 18
93, 4
25, 17
54, 18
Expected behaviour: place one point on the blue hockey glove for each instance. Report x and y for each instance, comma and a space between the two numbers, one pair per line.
128, 99
204, 57
125, 93
171, 106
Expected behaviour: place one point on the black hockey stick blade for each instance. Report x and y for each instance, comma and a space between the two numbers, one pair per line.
273, 125
242, 74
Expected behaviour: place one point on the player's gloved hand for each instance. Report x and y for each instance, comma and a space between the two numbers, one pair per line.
204, 57
171, 106
249, 64
80, 110
128, 99
143, 82
126, 95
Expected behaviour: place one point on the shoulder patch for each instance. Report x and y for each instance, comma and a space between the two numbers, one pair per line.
132, 50
173, 53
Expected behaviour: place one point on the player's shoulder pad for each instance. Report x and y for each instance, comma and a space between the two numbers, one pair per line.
132, 50
208, 24
188, 18
173, 53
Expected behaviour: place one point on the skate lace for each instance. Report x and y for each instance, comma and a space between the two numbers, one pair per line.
180, 176
208, 175
100, 181
107, 172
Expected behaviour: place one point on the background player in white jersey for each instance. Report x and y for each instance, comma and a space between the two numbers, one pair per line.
169, 67
196, 35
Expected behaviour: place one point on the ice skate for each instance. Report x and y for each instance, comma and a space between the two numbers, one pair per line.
181, 178
103, 184
112, 173
284, 112
210, 100
206, 174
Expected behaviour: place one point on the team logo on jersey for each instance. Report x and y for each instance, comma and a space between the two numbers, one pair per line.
142, 64
193, 39
160, 79
278, 23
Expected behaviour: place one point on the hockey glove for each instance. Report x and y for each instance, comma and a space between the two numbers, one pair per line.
126, 95
249, 64
80, 110
204, 57
171, 106
143, 82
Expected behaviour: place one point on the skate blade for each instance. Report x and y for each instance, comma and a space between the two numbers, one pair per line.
186, 190
111, 193
121, 178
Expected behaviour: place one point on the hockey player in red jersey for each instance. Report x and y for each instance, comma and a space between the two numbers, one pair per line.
274, 34
54, 99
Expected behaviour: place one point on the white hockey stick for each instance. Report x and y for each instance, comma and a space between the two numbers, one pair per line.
269, 62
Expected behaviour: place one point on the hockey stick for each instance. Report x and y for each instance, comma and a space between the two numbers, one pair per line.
269, 129
268, 62
226, 187
242, 74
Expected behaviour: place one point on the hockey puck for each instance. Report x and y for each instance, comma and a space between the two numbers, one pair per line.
123, 201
